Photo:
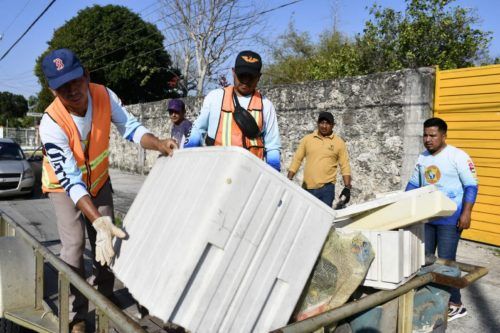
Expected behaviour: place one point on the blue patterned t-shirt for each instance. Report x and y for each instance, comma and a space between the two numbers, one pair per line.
451, 171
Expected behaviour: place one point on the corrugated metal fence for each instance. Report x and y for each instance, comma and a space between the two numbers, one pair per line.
468, 100
25, 137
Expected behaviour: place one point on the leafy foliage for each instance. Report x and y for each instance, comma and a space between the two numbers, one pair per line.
430, 32
119, 49
427, 33
12, 108
298, 59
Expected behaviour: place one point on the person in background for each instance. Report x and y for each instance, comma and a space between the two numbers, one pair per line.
75, 131
181, 127
452, 171
324, 151
239, 115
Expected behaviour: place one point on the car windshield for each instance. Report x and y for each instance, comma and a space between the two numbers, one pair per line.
10, 151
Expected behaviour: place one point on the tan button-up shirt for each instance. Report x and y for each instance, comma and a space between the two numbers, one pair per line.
323, 156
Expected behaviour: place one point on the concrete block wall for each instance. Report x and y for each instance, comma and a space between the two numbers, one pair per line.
379, 116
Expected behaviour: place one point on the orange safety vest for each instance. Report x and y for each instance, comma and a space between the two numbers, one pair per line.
229, 134
93, 162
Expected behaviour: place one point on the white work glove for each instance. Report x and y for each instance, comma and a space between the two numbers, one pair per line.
105, 228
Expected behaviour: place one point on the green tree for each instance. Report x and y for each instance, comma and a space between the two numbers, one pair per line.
12, 108
297, 59
119, 49
429, 32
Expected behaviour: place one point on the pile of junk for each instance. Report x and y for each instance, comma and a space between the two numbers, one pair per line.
218, 241
234, 246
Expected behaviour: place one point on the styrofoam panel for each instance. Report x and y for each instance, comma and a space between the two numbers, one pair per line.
380, 201
398, 256
409, 210
220, 242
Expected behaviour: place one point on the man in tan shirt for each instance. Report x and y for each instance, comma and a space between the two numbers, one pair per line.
324, 152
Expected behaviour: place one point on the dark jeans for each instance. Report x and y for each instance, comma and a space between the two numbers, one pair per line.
445, 238
325, 193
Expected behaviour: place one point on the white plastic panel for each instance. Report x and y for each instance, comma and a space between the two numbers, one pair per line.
399, 254
382, 199
411, 208
220, 242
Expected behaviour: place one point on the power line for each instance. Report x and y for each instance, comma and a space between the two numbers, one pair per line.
19, 86
165, 29
119, 27
15, 18
20, 80
136, 41
28, 29
28, 75
154, 3
143, 38
17, 75
154, 10
244, 19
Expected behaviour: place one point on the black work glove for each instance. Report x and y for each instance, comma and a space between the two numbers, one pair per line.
346, 192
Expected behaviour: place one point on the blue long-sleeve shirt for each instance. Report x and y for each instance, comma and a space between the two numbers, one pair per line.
208, 121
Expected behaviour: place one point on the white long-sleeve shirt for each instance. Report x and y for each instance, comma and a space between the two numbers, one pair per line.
59, 152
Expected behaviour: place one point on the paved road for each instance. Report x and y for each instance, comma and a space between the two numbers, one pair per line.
481, 299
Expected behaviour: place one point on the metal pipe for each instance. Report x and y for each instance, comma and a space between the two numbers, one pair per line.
122, 322
39, 280
63, 303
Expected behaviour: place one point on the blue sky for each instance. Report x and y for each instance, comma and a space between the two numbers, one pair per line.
314, 16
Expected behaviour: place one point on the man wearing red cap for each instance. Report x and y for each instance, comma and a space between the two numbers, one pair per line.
75, 131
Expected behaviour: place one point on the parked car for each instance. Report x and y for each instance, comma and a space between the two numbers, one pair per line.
16, 174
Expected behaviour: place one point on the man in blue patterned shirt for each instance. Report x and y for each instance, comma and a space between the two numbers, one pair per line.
452, 171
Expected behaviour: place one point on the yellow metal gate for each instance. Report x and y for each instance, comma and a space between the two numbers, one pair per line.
469, 101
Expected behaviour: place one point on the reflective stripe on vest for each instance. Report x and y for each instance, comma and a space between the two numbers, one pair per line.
229, 134
94, 162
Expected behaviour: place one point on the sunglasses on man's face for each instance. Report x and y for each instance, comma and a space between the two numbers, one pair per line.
173, 111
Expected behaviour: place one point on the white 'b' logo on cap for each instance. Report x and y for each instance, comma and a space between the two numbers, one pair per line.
59, 64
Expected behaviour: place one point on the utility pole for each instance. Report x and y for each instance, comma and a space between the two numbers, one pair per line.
335, 8
34, 115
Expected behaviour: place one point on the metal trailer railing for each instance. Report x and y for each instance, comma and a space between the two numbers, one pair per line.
347, 310
106, 311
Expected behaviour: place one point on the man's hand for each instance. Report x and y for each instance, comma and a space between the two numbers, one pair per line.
464, 220
290, 175
105, 228
167, 146
346, 192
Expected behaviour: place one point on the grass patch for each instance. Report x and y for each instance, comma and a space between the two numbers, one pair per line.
118, 221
